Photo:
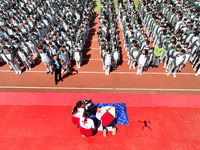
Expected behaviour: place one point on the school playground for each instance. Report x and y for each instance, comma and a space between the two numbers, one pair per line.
36, 115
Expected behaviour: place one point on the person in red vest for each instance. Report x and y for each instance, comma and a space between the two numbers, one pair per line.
107, 116
87, 127
77, 112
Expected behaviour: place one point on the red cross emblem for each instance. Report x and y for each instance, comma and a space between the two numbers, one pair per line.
99, 111
84, 122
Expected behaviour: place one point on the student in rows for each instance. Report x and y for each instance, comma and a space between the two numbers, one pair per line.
108, 62
178, 61
22, 56
134, 55
158, 51
45, 57
142, 61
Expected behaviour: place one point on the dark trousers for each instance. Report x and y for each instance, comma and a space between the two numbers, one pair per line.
57, 71
112, 124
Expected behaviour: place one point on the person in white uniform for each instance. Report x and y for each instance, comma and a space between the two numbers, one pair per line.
108, 62
87, 127
116, 58
178, 61
10, 56
63, 56
22, 56
141, 61
77, 57
44, 54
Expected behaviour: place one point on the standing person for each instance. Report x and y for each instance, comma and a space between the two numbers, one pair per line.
77, 57
107, 119
116, 58
45, 57
158, 51
22, 56
64, 57
197, 67
77, 113
108, 62
134, 55
11, 60
142, 60
178, 61
56, 64
87, 127
27, 51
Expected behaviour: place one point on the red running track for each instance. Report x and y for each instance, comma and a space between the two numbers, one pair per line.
91, 78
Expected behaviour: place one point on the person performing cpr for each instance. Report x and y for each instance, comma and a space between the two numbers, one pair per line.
87, 127
77, 113
107, 116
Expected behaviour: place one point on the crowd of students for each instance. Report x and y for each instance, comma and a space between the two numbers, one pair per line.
45, 28
108, 36
158, 31
171, 26
88, 117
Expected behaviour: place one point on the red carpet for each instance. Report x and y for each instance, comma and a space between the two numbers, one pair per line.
140, 100
50, 128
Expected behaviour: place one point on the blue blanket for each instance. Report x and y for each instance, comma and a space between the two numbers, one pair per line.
121, 113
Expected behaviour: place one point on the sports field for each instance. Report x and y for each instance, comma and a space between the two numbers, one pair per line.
163, 111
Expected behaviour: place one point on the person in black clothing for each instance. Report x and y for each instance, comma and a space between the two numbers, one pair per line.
56, 64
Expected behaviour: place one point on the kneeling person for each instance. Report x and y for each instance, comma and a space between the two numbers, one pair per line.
107, 116
87, 127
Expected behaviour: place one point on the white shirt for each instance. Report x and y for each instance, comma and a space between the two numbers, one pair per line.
87, 124
102, 111
142, 59
22, 56
77, 56
108, 59
79, 113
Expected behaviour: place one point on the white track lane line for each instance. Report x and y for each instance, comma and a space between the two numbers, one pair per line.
91, 88
99, 72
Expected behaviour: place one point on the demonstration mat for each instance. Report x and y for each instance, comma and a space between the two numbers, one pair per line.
121, 112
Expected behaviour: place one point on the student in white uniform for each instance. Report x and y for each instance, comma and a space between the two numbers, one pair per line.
44, 54
77, 57
87, 127
134, 55
22, 56
197, 66
77, 113
178, 61
26, 49
141, 61
32, 48
67, 55
64, 57
108, 62
6, 60
116, 58
10, 56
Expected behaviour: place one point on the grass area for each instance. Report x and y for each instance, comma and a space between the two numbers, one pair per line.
97, 4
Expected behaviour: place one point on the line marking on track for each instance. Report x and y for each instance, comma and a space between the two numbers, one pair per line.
99, 72
91, 88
